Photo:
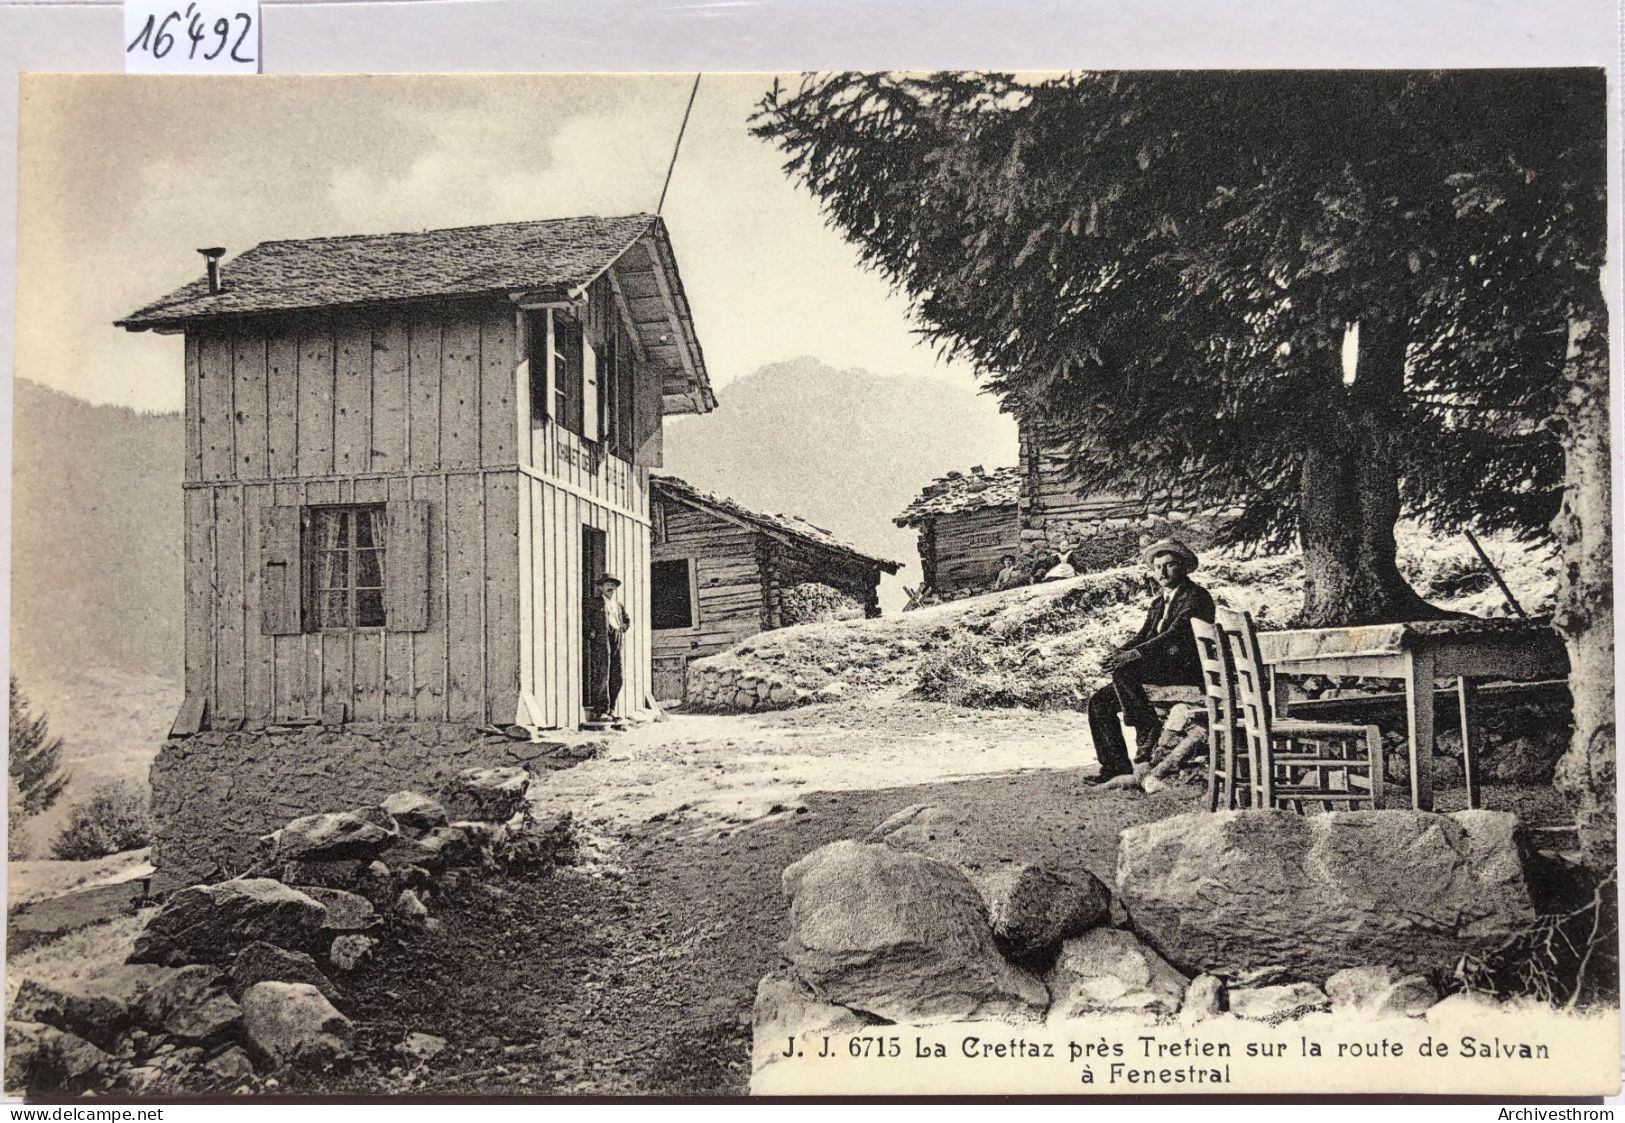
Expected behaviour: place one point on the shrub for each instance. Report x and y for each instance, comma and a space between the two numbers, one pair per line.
813, 602
114, 818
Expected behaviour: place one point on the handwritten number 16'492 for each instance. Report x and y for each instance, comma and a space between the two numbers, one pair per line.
157, 37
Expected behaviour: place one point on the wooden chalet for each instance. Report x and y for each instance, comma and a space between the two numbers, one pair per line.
409, 457
966, 523
720, 571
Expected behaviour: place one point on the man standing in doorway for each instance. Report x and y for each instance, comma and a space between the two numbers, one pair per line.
1162, 652
607, 623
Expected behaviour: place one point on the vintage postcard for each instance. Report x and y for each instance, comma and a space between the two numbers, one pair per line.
1082, 584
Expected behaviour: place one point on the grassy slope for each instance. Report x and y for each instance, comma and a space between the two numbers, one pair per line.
1041, 645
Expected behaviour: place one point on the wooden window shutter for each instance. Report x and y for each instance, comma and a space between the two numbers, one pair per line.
406, 566
281, 572
590, 415
650, 408
545, 382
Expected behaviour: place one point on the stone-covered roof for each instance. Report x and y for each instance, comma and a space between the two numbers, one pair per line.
550, 259
793, 525
963, 491
311, 273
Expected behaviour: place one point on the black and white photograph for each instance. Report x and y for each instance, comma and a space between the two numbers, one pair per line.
942, 583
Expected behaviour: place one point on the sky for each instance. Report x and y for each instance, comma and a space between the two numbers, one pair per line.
121, 179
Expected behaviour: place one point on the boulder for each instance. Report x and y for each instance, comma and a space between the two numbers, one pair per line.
177, 1065
1032, 909
546, 842
346, 912
212, 923
42, 1058
899, 936
1204, 999
492, 795
1277, 1003
1462, 1007
339, 874
447, 846
1315, 894
192, 1004
1108, 969
786, 1008
1383, 991
334, 834
487, 839
292, 1024
378, 815
262, 963
422, 1046
417, 852
98, 1018
230, 1066
938, 830
415, 812
348, 952
141, 1080
410, 907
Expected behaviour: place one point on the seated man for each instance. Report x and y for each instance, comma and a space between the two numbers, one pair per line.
1162, 652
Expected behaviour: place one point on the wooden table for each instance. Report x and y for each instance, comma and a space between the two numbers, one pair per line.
1417, 654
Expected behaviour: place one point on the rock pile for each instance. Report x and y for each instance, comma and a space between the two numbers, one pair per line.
1259, 915
234, 981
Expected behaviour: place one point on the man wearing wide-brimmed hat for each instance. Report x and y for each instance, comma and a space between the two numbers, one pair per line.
1162, 652
607, 623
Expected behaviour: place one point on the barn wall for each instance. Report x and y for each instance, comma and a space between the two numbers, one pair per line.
462, 667
729, 580
967, 546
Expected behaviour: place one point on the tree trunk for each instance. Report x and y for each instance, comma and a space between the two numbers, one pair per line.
1349, 497
1585, 600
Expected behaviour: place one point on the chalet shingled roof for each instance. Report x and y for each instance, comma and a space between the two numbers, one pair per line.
547, 259
793, 525
963, 491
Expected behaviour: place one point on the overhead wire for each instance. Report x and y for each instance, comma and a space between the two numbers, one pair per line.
675, 148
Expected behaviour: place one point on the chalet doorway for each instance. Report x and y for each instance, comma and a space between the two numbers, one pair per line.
594, 551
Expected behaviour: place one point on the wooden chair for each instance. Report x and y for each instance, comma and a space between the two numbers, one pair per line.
1297, 762
1229, 771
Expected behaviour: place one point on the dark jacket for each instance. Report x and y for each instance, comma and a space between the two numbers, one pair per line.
1169, 651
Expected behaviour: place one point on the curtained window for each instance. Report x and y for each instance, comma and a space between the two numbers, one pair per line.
346, 551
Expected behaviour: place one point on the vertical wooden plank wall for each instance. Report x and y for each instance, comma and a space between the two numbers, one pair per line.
568, 483
355, 409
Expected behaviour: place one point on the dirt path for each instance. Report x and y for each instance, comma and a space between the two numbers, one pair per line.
637, 977
716, 770
635, 973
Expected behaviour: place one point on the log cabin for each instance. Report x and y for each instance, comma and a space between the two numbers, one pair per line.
408, 458
966, 522
1037, 511
721, 572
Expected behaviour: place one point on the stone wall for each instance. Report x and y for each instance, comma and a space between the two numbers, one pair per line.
214, 794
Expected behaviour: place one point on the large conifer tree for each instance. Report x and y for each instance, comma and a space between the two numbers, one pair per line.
1165, 267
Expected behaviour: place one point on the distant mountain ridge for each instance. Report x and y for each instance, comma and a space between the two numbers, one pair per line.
96, 618
844, 449
96, 536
